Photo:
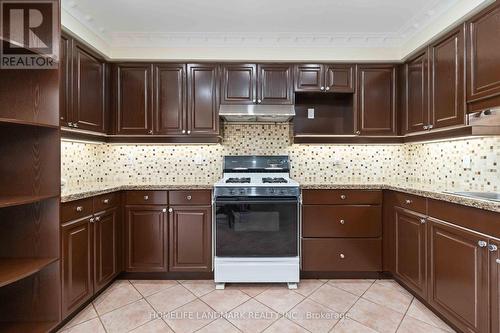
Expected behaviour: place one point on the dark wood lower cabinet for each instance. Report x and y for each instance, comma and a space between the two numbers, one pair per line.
458, 276
146, 239
190, 245
494, 248
411, 249
106, 244
76, 264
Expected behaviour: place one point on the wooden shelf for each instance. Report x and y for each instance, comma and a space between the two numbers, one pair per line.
27, 327
17, 200
15, 269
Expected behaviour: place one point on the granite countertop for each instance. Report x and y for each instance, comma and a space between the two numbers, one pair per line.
82, 191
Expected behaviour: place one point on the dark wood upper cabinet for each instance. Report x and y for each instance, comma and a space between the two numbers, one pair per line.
494, 248
76, 264
458, 276
88, 90
65, 80
483, 52
339, 78
274, 84
145, 239
203, 99
416, 92
133, 99
105, 248
411, 249
309, 77
239, 84
190, 239
170, 114
376, 100
447, 95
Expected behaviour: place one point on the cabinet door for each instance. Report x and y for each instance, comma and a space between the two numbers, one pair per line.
88, 90
170, 99
417, 104
145, 239
339, 78
133, 99
190, 239
411, 251
458, 276
105, 248
65, 81
494, 248
377, 100
76, 250
483, 54
274, 84
309, 77
203, 99
239, 83
447, 80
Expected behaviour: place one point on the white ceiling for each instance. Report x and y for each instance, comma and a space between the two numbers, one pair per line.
121, 27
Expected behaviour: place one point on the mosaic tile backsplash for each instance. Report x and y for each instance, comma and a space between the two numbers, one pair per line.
437, 164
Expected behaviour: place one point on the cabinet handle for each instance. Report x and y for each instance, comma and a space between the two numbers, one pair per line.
342, 256
188, 132
343, 197
164, 210
482, 243
79, 209
408, 201
146, 197
170, 210
150, 131
91, 220
342, 221
498, 261
425, 127
183, 131
358, 132
189, 197
105, 201
430, 127
259, 101
492, 248
423, 221
97, 218
322, 88
327, 88
254, 100
75, 125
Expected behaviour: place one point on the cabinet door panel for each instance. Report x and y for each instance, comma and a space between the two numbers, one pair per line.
146, 247
133, 100
76, 264
65, 81
447, 81
483, 65
377, 96
411, 249
417, 105
203, 99
275, 85
88, 90
170, 99
495, 286
105, 248
239, 83
190, 239
458, 269
339, 78
309, 77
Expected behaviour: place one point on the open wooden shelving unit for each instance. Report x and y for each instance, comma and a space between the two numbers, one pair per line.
30, 287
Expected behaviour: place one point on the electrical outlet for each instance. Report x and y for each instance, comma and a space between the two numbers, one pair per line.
466, 161
198, 160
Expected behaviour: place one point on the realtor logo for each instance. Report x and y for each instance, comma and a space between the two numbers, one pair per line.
29, 34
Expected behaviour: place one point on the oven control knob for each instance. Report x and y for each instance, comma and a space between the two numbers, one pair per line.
242, 191
271, 190
232, 192
282, 192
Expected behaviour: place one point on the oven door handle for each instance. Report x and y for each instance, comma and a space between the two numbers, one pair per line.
268, 202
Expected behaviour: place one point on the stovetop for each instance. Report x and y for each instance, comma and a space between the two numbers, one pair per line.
256, 180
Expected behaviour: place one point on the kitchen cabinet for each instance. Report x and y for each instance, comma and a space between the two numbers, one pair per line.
275, 84
376, 100
324, 78
170, 109
239, 84
65, 80
411, 249
203, 99
106, 245
417, 92
483, 54
132, 99
146, 238
458, 263
493, 247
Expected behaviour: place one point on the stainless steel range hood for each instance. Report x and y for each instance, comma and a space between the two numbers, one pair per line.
257, 113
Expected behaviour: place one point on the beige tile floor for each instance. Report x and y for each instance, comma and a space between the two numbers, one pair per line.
316, 306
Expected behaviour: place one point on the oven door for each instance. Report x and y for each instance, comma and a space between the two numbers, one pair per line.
256, 227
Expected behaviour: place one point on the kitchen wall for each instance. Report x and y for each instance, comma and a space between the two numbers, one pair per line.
436, 164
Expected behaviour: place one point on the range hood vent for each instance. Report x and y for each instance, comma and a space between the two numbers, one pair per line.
257, 113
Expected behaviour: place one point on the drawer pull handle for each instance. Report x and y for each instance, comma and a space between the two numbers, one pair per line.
146, 197
407, 201
79, 209
91, 220
482, 243
342, 221
343, 197
170, 210
492, 248
97, 218
189, 197
423, 221
498, 261
342, 256
164, 210
105, 201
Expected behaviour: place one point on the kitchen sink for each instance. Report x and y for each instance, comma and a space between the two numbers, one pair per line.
494, 196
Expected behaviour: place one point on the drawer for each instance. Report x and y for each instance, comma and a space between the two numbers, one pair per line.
146, 197
342, 221
195, 197
411, 202
342, 254
106, 201
76, 209
342, 197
